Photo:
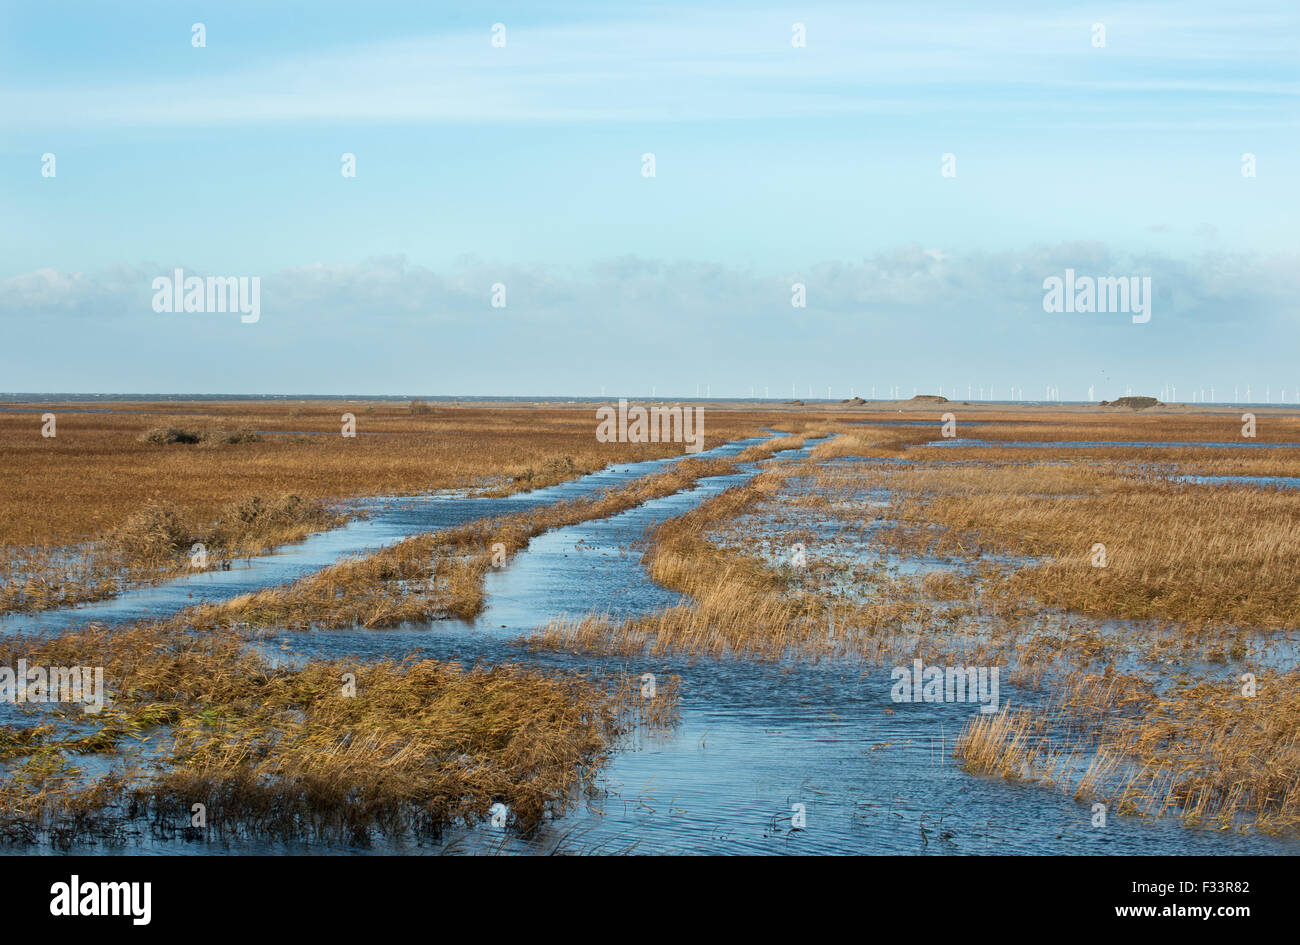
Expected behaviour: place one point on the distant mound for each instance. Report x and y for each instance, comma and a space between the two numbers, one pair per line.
1136, 403
854, 402
930, 399
795, 403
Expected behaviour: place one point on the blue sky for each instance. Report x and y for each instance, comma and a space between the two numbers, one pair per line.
774, 164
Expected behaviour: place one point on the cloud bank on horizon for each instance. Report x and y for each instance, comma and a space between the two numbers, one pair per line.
587, 199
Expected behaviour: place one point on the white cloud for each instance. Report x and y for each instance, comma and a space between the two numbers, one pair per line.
937, 283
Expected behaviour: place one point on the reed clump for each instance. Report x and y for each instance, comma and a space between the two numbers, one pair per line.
1005, 744
154, 534
338, 750
160, 536
1198, 748
165, 436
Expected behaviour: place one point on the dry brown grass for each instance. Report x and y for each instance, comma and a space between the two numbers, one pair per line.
871, 441
1203, 557
1182, 423
1272, 426
84, 482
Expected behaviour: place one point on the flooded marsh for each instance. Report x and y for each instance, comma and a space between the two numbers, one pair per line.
704, 654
